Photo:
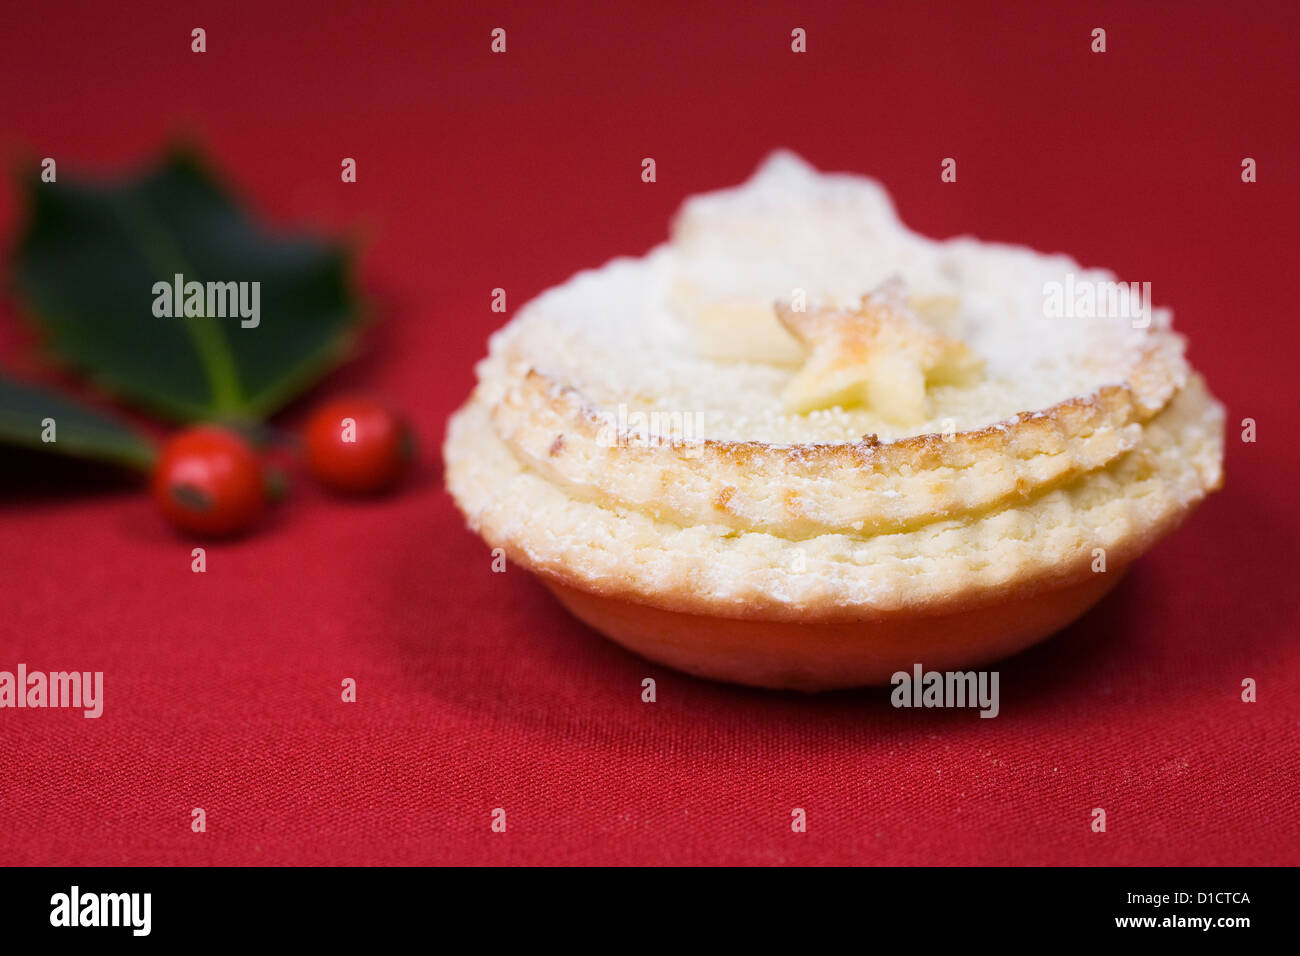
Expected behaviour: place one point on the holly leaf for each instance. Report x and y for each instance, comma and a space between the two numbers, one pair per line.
39, 418
97, 262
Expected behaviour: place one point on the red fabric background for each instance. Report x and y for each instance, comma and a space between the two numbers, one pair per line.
475, 690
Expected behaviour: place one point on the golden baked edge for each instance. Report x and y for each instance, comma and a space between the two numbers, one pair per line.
948, 565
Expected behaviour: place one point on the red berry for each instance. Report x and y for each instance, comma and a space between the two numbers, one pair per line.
357, 445
208, 480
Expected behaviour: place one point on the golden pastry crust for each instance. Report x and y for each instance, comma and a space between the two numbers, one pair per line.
712, 569
798, 490
630, 445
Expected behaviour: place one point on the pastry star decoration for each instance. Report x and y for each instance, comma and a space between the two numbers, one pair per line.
881, 355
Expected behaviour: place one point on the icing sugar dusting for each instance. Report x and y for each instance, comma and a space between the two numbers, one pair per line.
628, 332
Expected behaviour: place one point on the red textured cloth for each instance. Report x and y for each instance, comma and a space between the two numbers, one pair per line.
475, 690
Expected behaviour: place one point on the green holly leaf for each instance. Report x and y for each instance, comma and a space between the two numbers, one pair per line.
96, 262
39, 418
